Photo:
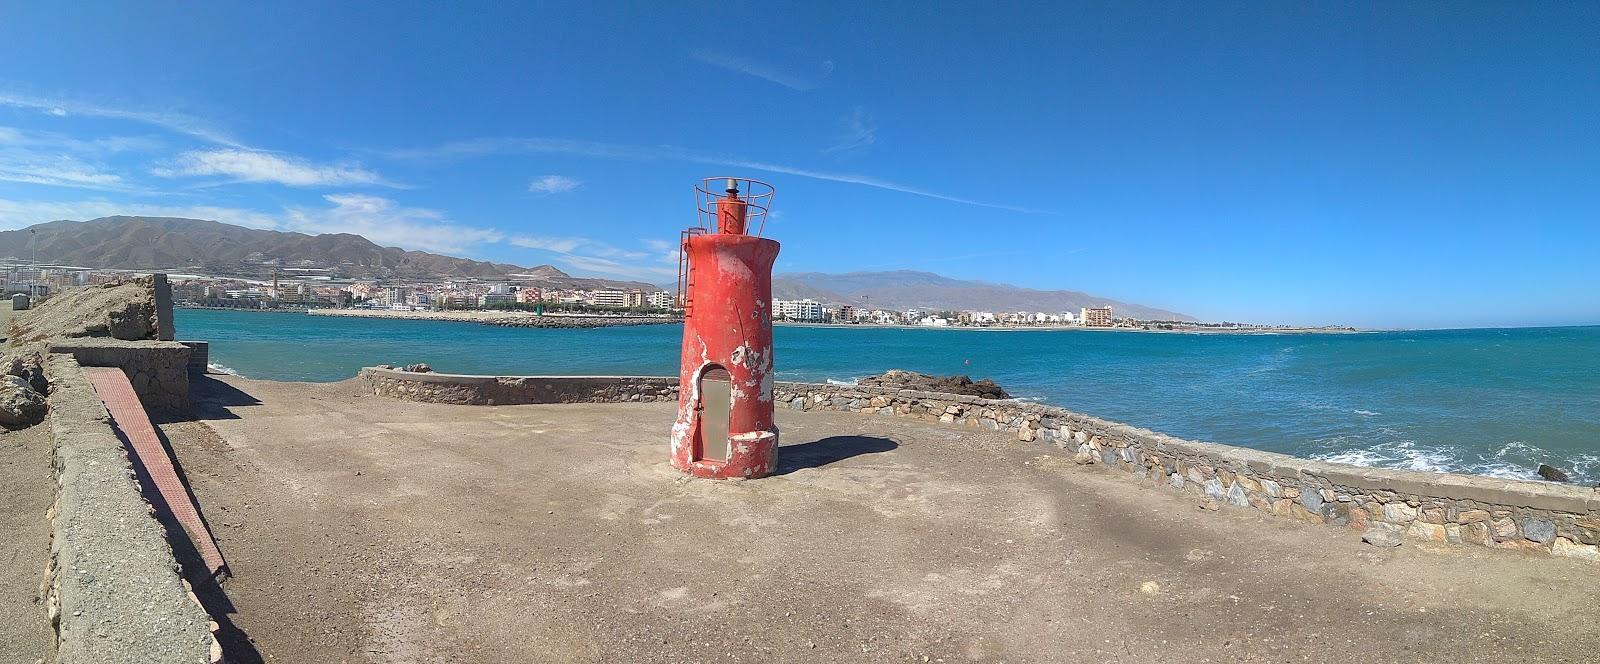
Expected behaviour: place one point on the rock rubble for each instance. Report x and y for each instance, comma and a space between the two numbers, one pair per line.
899, 379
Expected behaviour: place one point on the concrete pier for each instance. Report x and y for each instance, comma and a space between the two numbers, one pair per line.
362, 528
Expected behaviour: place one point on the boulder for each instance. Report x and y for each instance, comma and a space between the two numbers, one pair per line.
20, 405
1552, 473
418, 368
27, 365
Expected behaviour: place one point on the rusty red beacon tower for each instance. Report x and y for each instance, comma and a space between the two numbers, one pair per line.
724, 427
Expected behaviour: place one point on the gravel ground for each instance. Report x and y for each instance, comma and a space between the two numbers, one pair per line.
27, 488
368, 530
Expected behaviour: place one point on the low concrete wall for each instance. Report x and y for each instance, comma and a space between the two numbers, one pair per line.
158, 369
513, 390
114, 589
1385, 505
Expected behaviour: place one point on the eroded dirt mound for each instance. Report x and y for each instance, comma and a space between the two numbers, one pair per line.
121, 310
910, 380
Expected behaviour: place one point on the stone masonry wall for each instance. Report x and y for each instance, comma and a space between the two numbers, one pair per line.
114, 592
1386, 506
158, 370
513, 390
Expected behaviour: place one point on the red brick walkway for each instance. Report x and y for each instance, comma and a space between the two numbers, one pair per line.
146, 451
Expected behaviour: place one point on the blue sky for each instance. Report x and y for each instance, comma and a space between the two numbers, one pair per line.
1393, 164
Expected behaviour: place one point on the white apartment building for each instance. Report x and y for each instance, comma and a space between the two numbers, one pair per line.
661, 299
610, 297
806, 310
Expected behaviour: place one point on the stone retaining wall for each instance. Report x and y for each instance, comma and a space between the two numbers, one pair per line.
158, 369
114, 590
512, 390
1385, 505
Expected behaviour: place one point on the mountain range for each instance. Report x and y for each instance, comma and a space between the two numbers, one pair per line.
906, 289
213, 248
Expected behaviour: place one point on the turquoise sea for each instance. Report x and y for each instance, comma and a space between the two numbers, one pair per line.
1492, 401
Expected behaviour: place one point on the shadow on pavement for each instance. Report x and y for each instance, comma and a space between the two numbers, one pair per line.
828, 450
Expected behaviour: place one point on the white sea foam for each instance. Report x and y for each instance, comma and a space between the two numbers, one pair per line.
1402, 454
843, 383
1368, 413
1515, 460
217, 368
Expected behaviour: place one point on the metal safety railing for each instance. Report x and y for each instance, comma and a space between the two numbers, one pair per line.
753, 198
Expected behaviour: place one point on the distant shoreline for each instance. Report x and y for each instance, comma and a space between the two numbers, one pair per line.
502, 318
490, 317
1076, 328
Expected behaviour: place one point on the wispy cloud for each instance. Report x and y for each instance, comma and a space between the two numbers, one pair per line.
50, 158
604, 259
257, 166
51, 141
851, 178
556, 244
536, 145
617, 269
553, 184
174, 121
390, 224
763, 70
59, 171
860, 131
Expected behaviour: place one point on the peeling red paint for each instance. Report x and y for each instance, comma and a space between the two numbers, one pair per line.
730, 285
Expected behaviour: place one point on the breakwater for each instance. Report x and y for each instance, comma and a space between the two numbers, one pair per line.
1385, 506
580, 322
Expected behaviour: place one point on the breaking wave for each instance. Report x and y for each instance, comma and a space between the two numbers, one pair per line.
217, 368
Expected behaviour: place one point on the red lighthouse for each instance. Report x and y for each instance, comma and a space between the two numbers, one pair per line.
725, 412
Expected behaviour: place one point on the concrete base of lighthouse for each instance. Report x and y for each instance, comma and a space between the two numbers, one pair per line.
750, 455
